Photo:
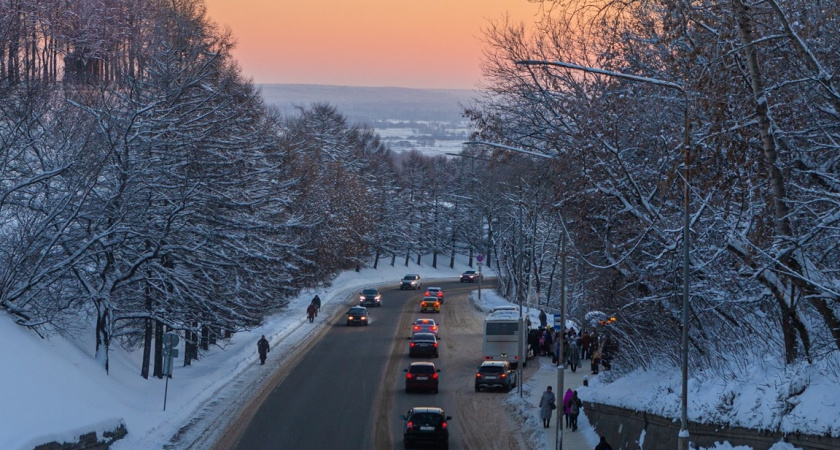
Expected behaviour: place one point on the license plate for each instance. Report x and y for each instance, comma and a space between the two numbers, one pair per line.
427, 428
422, 378
490, 378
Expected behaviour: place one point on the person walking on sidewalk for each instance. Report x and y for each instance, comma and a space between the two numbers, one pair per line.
263, 349
567, 398
548, 402
574, 410
603, 444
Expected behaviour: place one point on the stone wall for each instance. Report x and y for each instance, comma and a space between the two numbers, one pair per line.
623, 428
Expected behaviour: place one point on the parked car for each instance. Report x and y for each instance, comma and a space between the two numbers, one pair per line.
423, 344
434, 292
495, 374
370, 296
410, 281
421, 376
470, 276
431, 304
424, 325
426, 425
358, 315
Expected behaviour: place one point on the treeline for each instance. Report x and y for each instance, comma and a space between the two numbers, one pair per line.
633, 101
146, 188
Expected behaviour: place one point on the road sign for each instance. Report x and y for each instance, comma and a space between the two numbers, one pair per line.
170, 340
479, 258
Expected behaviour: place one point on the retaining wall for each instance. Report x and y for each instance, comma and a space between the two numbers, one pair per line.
623, 428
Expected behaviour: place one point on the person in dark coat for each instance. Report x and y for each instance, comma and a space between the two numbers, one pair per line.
543, 319
584, 346
574, 410
317, 302
547, 400
263, 349
311, 311
603, 444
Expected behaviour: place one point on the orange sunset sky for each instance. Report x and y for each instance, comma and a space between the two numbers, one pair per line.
403, 43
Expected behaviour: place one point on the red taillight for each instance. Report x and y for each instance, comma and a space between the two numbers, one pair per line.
409, 425
408, 375
435, 376
435, 344
478, 375
443, 425
411, 345
416, 327
434, 328
440, 294
504, 375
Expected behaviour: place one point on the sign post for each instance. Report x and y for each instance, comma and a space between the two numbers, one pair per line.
170, 342
479, 259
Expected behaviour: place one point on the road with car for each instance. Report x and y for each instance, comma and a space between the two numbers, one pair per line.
347, 390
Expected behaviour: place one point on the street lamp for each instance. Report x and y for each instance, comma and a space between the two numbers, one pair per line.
683, 434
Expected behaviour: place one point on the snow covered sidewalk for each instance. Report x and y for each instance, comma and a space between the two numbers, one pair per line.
585, 436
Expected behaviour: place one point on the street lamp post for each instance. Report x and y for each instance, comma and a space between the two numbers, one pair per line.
683, 434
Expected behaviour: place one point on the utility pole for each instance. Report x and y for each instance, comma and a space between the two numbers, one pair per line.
560, 364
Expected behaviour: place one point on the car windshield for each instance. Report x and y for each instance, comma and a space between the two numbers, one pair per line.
356, 311
469, 272
427, 418
409, 277
370, 292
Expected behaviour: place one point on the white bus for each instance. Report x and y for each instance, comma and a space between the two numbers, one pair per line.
502, 338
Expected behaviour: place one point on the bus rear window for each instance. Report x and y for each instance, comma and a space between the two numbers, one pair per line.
501, 329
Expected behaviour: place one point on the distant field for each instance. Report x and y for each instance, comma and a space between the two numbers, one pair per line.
368, 104
411, 109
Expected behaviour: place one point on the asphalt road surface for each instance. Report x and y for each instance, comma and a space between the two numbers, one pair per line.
346, 389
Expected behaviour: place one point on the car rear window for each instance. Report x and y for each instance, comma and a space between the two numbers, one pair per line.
491, 369
424, 337
422, 369
427, 418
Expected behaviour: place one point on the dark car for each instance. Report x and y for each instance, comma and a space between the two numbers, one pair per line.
423, 344
422, 376
358, 315
470, 276
495, 374
426, 425
370, 296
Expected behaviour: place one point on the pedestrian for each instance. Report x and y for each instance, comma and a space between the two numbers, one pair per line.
574, 356
317, 302
543, 319
263, 349
311, 311
555, 352
566, 352
548, 403
566, 410
584, 345
596, 361
603, 444
574, 410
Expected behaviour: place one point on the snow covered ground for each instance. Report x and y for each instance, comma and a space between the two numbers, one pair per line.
53, 389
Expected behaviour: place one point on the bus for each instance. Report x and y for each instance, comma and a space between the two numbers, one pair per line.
502, 338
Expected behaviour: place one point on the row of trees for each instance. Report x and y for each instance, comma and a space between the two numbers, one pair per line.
156, 191
605, 90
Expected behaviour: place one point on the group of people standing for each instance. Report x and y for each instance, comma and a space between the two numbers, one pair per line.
576, 346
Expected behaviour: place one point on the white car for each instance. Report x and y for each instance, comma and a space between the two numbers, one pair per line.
424, 325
